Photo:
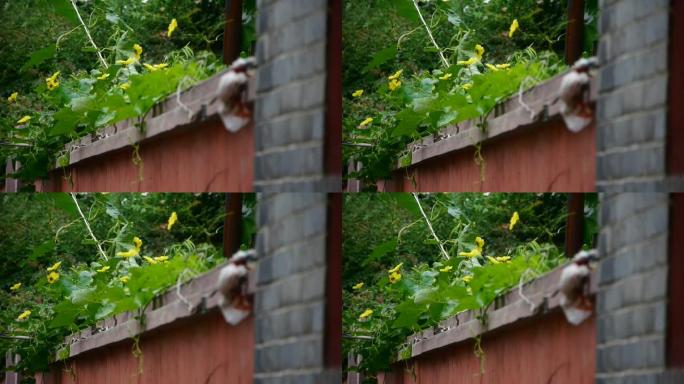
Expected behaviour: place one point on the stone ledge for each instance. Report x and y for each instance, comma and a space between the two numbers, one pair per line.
506, 118
505, 310
193, 107
197, 297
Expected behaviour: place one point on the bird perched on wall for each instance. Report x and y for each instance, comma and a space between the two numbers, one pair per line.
574, 287
233, 107
575, 109
233, 300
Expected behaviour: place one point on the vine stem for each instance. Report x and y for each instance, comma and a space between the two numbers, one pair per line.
427, 28
97, 50
97, 243
441, 247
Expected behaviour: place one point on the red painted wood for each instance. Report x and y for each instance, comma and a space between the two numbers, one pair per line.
333, 115
544, 159
204, 350
207, 158
675, 315
542, 350
333, 323
675, 129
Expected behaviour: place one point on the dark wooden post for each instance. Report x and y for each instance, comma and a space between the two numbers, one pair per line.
232, 227
333, 120
232, 33
574, 37
574, 228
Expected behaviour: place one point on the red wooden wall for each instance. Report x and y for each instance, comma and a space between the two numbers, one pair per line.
207, 158
548, 158
545, 350
204, 350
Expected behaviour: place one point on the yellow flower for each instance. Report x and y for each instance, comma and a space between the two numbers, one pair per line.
396, 268
357, 93
52, 277
124, 279
137, 51
130, 253
514, 27
514, 220
467, 278
470, 61
55, 266
480, 242
24, 315
150, 260
172, 27
502, 66
15, 287
137, 242
155, 67
394, 84
358, 286
467, 86
104, 269
366, 314
493, 68
479, 51
473, 253
161, 259
125, 86
366, 122
13, 97
52, 82
128, 61
103, 77
24, 120
172, 220
499, 259
446, 76
394, 277
396, 75
446, 269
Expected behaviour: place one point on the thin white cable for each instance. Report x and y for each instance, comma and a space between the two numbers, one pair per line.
441, 247
97, 243
97, 50
427, 28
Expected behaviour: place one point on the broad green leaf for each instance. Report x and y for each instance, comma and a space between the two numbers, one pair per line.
39, 56
381, 57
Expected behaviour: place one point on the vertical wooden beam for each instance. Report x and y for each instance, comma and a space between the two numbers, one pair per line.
232, 33
574, 228
333, 302
574, 37
333, 119
232, 227
675, 310
675, 126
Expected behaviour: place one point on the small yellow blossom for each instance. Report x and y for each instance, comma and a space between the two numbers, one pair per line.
480, 242
130, 253
128, 61
473, 253
24, 315
470, 61
137, 242
394, 277
15, 287
172, 220
396, 268
103, 77
479, 51
137, 51
150, 260
358, 286
394, 84
514, 220
155, 67
396, 75
446, 76
125, 86
13, 97
514, 27
493, 68
124, 279
467, 278
467, 86
357, 93
55, 266
366, 314
104, 269
366, 122
446, 269
161, 259
502, 66
24, 120
172, 27
52, 277
499, 259
52, 81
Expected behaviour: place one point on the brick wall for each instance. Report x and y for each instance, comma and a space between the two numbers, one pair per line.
632, 297
291, 289
291, 96
632, 104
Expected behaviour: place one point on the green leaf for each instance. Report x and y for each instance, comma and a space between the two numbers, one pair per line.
65, 9
408, 123
380, 251
105, 310
39, 56
41, 250
381, 58
65, 122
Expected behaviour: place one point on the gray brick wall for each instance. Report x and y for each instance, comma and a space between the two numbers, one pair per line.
290, 297
632, 103
632, 296
290, 104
